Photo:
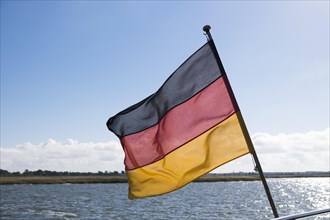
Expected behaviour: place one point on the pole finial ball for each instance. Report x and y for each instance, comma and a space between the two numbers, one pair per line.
206, 28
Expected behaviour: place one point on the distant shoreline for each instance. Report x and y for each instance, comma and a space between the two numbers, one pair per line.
123, 179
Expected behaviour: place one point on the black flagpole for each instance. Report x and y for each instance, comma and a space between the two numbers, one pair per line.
207, 28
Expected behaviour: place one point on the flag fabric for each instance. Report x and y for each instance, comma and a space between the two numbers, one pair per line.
189, 127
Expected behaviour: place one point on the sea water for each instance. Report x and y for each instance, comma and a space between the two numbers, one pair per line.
216, 200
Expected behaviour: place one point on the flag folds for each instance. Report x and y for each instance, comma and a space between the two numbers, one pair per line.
189, 127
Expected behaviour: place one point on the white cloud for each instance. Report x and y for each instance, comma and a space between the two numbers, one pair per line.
68, 156
296, 152
287, 152
282, 152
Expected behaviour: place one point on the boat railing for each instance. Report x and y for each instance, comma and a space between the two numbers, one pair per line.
304, 215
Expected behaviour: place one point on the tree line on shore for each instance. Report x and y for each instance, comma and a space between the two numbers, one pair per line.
5, 173
40, 173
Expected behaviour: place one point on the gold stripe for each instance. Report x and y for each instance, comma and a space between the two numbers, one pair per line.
219, 145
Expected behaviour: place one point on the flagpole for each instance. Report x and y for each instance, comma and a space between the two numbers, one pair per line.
206, 29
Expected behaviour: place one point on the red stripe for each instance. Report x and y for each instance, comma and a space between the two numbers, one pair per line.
180, 125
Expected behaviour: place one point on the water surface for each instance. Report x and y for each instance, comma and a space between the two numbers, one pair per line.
217, 200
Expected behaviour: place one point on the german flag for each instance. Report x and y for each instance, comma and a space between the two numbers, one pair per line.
189, 127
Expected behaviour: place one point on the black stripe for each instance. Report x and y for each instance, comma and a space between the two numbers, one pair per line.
196, 73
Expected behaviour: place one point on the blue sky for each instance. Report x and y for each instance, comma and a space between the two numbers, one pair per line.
66, 67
